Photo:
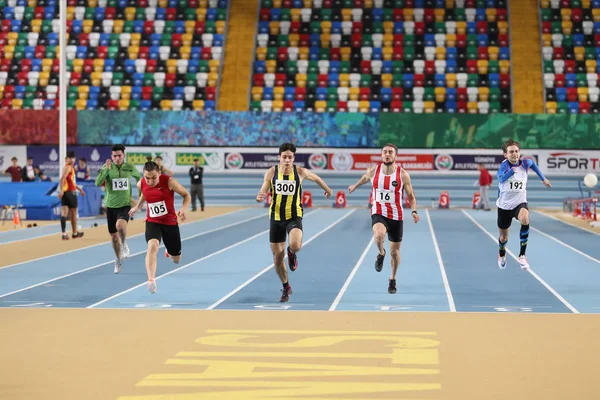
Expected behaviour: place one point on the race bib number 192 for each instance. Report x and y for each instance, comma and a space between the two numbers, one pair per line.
120, 184
157, 209
285, 188
515, 186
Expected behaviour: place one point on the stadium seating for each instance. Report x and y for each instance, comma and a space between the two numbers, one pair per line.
571, 55
419, 56
121, 54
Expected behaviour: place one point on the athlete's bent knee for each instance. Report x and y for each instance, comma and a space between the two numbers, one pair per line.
395, 252
175, 259
153, 246
295, 246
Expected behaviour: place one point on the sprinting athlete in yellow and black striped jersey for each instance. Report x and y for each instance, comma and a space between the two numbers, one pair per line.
286, 195
284, 181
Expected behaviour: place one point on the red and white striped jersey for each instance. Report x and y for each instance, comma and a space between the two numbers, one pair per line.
386, 195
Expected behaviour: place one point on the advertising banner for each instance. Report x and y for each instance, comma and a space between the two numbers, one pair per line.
570, 162
24, 127
46, 157
239, 161
344, 161
177, 159
470, 162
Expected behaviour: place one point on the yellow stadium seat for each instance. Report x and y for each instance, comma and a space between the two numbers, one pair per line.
353, 93
198, 104
278, 93
320, 106
126, 93
78, 65
17, 104
440, 94
165, 104
80, 104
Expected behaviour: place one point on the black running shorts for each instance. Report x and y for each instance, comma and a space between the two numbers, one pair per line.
168, 233
395, 229
69, 199
505, 216
277, 233
114, 214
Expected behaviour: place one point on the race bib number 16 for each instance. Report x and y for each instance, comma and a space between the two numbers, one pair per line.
157, 209
385, 196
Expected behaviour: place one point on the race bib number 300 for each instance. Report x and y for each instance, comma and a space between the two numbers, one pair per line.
120, 184
285, 188
385, 196
157, 209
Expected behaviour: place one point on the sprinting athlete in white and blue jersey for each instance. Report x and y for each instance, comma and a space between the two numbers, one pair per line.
512, 198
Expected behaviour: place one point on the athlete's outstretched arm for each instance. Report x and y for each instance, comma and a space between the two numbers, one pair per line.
306, 174
140, 202
187, 199
262, 193
539, 173
410, 195
504, 172
363, 179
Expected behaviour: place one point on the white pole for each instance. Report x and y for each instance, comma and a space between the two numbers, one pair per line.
62, 85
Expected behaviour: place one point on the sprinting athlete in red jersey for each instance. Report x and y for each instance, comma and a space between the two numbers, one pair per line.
161, 219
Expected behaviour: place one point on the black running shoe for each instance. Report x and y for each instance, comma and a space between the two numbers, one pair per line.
285, 294
379, 262
392, 286
77, 235
292, 260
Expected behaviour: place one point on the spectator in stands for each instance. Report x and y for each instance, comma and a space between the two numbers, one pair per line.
28, 172
14, 171
485, 180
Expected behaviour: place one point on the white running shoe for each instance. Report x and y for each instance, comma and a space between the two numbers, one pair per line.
152, 286
523, 263
125, 251
117, 266
501, 262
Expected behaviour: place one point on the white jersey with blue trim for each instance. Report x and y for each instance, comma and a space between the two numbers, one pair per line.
512, 191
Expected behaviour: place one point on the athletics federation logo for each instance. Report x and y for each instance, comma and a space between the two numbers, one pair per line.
317, 161
342, 161
234, 161
444, 162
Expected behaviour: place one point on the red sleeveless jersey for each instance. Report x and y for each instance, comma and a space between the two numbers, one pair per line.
161, 202
386, 194
69, 185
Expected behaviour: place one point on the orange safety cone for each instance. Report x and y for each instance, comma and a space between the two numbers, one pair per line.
16, 218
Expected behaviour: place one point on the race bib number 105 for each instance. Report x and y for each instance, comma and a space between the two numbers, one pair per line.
285, 188
157, 209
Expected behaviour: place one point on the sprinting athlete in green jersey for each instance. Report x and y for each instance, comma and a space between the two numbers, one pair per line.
116, 173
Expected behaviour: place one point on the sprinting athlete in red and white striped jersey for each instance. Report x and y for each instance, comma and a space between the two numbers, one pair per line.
389, 180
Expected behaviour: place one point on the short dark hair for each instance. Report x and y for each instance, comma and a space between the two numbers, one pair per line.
118, 147
82, 159
14, 159
30, 158
157, 157
391, 145
151, 166
70, 154
287, 147
509, 143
